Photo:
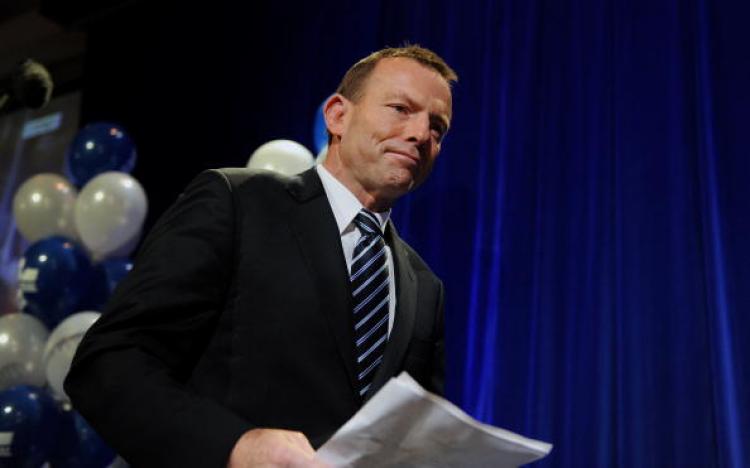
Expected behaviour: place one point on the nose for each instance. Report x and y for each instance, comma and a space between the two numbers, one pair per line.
418, 130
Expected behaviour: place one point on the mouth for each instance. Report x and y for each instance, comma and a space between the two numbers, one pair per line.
404, 156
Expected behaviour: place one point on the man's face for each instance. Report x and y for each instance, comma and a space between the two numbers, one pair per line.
391, 135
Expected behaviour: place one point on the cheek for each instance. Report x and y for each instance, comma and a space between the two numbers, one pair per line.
385, 126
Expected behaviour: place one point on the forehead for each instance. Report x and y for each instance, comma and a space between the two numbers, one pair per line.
405, 77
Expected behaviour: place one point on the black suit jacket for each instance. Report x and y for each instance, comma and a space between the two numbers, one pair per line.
237, 315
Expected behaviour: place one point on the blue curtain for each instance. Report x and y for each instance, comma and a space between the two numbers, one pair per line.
589, 214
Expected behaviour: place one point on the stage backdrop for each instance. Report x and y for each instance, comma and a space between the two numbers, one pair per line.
589, 213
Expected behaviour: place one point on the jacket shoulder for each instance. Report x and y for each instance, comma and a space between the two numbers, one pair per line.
238, 177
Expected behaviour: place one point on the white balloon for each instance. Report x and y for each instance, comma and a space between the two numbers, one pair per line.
322, 155
61, 347
282, 156
22, 339
109, 213
43, 206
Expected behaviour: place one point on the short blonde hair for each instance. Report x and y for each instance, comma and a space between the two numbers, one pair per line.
352, 84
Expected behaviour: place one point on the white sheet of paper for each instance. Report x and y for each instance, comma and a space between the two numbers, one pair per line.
404, 425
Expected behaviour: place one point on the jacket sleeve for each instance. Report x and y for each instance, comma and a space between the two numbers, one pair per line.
128, 375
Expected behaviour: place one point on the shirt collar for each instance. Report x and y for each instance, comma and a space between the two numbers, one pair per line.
344, 204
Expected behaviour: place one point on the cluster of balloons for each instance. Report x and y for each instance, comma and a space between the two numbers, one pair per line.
37, 424
78, 239
80, 229
108, 213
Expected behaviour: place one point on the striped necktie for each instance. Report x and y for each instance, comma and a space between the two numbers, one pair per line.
369, 281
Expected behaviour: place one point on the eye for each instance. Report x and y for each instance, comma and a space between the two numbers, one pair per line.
400, 108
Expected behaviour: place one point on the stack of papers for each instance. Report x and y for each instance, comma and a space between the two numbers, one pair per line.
404, 425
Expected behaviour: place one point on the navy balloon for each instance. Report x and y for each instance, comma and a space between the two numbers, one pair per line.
29, 426
99, 147
57, 279
114, 270
320, 131
78, 445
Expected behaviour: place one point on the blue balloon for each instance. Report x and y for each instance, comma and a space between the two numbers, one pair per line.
57, 279
29, 426
114, 270
97, 148
78, 445
320, 131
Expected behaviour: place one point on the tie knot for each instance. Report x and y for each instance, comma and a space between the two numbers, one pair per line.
367, 223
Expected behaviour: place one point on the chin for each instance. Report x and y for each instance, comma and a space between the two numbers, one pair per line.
398, 188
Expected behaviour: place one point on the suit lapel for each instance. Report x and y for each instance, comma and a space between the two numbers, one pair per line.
318, 236
406, 310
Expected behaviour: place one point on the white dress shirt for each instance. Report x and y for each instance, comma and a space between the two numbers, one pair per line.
345, 207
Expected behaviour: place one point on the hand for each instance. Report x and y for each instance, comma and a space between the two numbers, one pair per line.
273, 448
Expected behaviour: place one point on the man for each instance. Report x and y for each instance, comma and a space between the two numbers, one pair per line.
264, 310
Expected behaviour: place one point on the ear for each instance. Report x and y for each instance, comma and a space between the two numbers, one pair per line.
336, 111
